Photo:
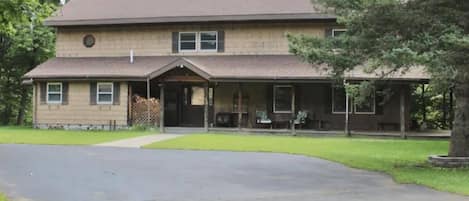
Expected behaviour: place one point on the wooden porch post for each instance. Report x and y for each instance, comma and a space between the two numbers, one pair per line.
240, 106
293, 129
206, 101
451, 108
347, 113
148, 102
424, 107
162, 106
402, 113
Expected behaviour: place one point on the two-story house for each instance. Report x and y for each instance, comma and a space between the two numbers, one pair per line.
211, 63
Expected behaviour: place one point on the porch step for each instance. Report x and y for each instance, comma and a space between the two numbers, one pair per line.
184, 130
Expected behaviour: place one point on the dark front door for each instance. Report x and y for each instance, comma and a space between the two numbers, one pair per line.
172, 105
184, 105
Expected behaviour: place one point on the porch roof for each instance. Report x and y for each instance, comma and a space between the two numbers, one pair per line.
213, 68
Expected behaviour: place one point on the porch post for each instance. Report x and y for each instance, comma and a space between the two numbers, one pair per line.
347, 113
402, 113
206, 108
293, 129
240, 105
162, 106
451, 108
424, 107
148, 102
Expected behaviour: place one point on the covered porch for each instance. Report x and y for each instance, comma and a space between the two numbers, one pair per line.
196, 92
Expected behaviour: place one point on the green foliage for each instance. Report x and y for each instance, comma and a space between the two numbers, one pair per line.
392, 36
405, 160
23, 135
435, 105
24, 44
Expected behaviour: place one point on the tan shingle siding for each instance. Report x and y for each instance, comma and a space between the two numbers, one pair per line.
155, 40
79, 110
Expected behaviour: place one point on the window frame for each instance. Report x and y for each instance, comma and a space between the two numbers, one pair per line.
55, 93
337, 30
368, 113
352, 105
180, 41
351, 110
105, 93
199, 43
275, 99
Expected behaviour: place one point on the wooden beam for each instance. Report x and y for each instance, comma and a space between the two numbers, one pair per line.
206, 102
403, 113
162, 106
240, 106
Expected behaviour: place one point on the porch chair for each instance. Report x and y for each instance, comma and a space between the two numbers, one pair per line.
262, 118
301, 118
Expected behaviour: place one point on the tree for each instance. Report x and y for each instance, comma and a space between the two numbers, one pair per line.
24, 44
398, 35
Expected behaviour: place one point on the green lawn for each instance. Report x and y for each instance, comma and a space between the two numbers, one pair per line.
21, 135
405, 160
2, 197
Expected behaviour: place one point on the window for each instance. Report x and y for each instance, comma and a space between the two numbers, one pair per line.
338, 103
187, 41
208, 41
283, 99
198, 96
368, 106
338, 32
338, 100
198, 41
89, 41
105, 93
54, 93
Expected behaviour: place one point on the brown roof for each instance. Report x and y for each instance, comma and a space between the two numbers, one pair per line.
93, 12
213, 68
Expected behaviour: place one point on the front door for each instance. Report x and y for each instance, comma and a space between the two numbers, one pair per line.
184, 105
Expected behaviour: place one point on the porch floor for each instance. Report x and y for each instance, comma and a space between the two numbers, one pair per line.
410, 134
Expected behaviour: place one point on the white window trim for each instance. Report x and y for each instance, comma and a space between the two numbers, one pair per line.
200, 41
369, 113
333, 105
105, 93
179, 42
60, 92
337, 30
275, 95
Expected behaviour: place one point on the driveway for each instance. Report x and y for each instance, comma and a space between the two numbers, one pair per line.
58, 173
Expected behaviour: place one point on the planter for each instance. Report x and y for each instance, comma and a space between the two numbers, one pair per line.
449, 162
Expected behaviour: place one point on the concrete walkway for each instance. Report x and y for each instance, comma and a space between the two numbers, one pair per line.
139, 141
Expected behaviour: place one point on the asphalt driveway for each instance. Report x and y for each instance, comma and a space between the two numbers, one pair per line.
58, 173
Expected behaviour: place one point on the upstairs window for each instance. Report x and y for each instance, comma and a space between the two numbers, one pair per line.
208, 41
54, 93
187, 41
198, 41
105, 93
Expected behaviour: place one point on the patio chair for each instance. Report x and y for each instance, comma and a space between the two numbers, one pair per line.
301, 118
262, 118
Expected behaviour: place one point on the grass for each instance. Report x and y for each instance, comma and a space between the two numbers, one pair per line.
23, 135
3, 197
405, 160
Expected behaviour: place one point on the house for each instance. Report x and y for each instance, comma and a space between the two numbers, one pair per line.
210, 63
